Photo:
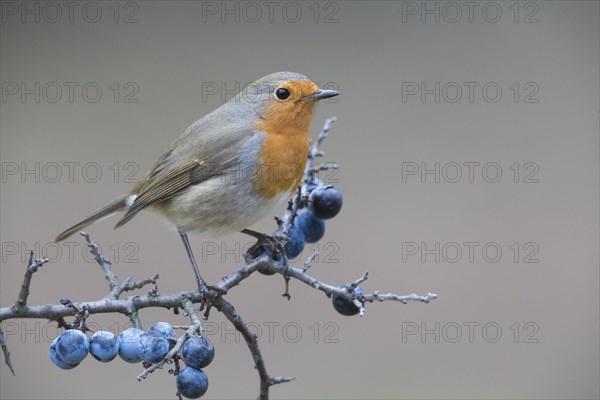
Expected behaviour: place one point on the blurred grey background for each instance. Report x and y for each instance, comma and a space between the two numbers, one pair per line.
467, 140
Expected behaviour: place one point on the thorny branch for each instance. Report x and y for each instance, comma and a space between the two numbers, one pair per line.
32, 267
266, 380
112, 303
115, 288
6, 352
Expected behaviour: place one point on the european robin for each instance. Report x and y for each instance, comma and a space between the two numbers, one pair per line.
230, 168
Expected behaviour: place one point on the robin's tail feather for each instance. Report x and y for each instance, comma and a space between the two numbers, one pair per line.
120, 204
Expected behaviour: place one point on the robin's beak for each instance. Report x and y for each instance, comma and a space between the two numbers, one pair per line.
322, 94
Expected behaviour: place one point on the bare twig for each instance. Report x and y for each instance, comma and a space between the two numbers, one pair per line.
329, 290
125, 306
32, 267
102, 261
62, 323
134, 317
310, 260
6, 352
81, 314
132, 304
325, 167
128, 285
250, 337
375, 296
115, 288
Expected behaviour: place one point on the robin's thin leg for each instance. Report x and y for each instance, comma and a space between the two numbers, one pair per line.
202, 287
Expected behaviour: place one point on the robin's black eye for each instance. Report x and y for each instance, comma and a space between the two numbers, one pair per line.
282, 93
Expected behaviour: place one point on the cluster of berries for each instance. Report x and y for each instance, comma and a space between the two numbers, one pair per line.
135, 345
324, 202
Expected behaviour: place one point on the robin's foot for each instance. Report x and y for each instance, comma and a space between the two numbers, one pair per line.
209, 292
261, 238
203, 290
206, 292
264, 243
218, 290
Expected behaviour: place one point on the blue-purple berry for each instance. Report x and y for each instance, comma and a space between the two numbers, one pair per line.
72, 346
325, 202
192, 383
56, 359
347, 307
312, 227
130, 346
296, 244
104, 346
164, 328
198, 352
154, 346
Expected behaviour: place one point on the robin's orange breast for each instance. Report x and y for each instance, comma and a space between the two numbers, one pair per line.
282, 156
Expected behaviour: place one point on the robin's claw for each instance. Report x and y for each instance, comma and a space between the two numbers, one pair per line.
265, 243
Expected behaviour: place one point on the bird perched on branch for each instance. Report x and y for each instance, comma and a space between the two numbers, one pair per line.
230, 168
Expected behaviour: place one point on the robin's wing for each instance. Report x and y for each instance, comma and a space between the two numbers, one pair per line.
168, 177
